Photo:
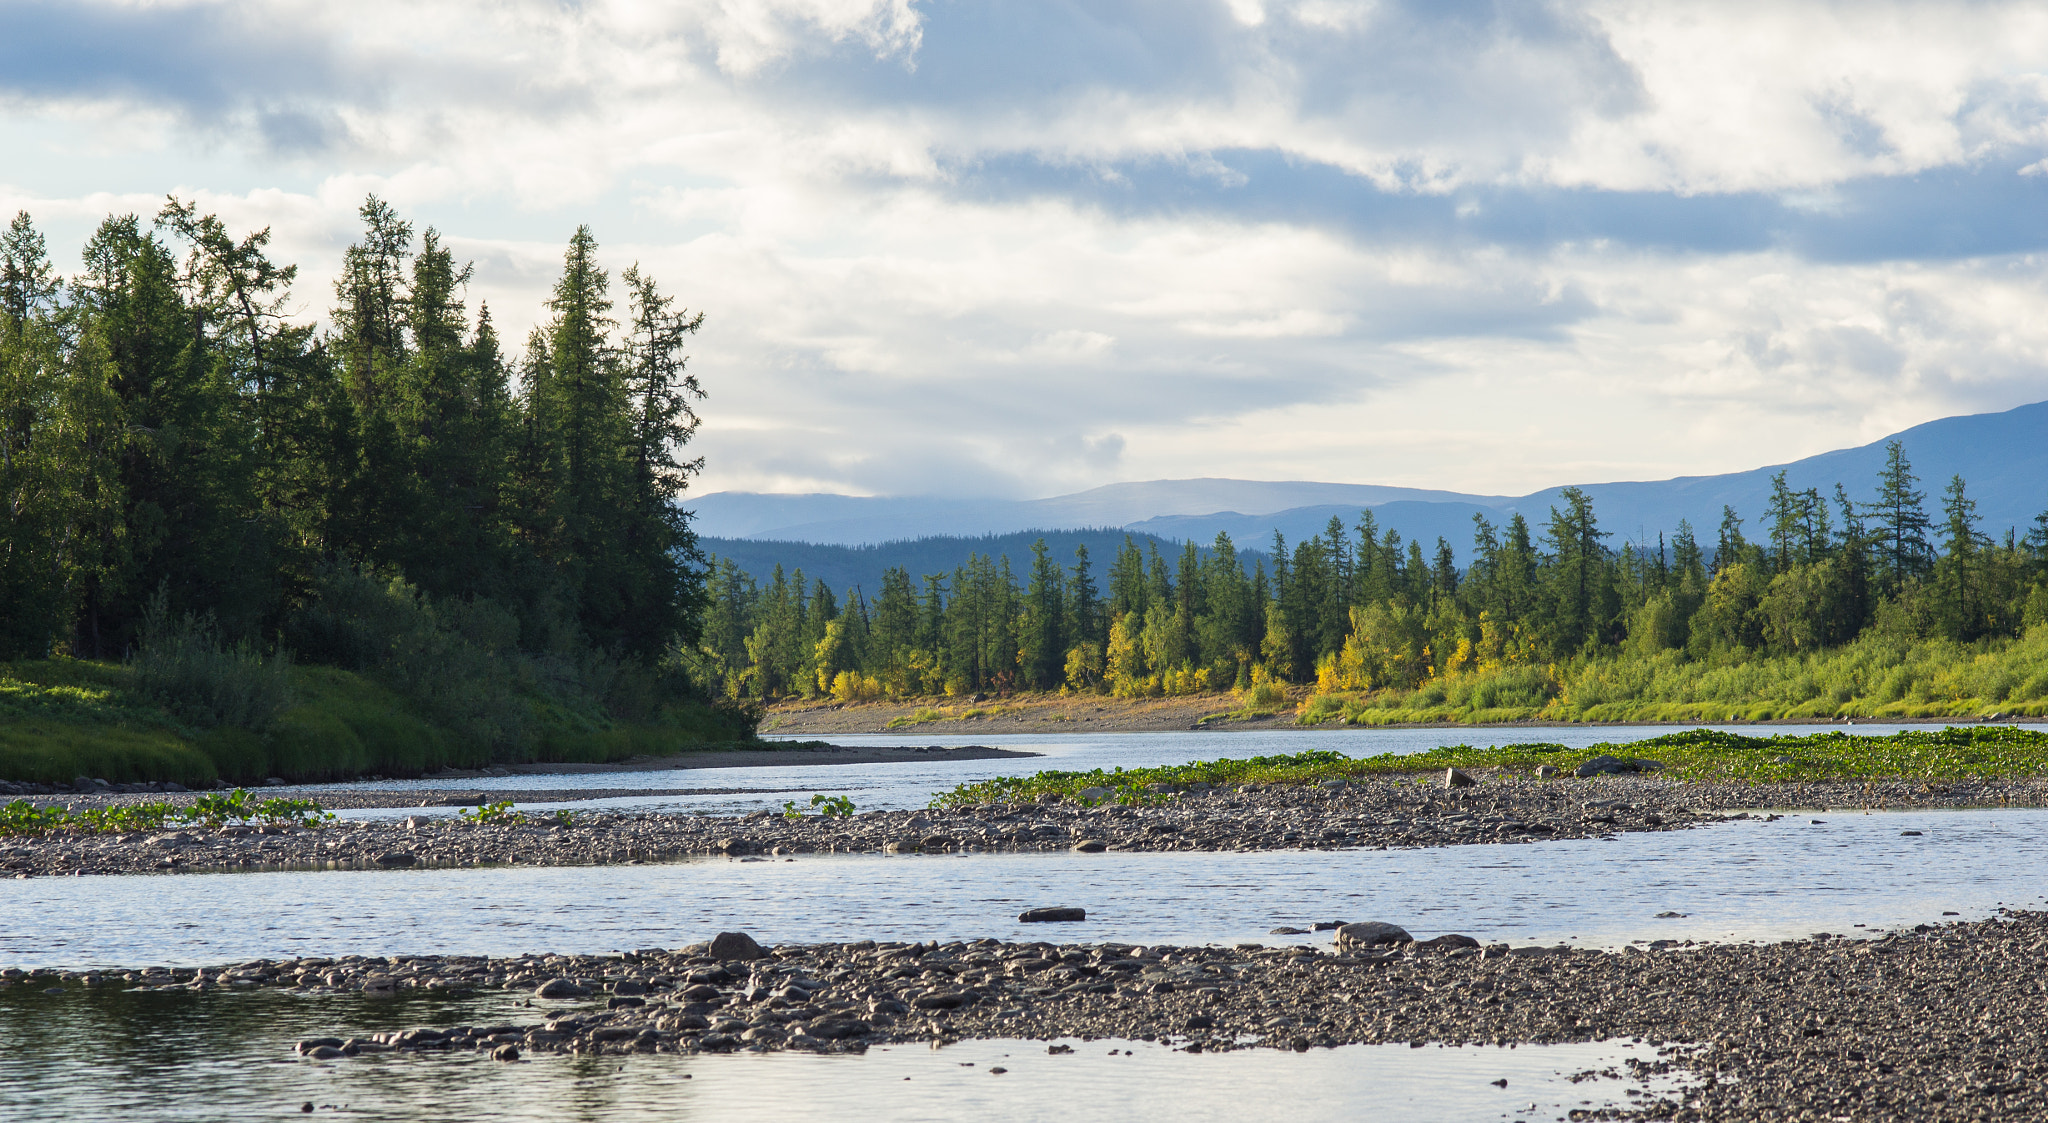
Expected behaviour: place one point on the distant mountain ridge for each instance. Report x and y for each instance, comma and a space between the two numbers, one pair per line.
2003, 457
860, 567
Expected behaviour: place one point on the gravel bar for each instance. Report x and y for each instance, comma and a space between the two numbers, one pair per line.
1932, 1023
1379, 814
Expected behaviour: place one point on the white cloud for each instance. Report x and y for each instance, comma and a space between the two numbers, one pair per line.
1031, 248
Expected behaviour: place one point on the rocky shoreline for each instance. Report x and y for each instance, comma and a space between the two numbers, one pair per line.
1931, 1023
1398, 812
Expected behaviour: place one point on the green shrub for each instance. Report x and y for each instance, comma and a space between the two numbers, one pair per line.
182, 664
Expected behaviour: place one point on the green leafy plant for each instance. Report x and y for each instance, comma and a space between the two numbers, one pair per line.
500, 813
565, 817
828, 806
214, 809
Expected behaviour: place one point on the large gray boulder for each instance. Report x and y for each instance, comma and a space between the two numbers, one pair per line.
1372, 933
736, 945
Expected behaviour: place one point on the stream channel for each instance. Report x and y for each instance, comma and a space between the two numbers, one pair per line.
109, 1055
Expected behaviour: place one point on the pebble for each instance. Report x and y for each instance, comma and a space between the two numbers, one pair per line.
1933, 1023
1373, 813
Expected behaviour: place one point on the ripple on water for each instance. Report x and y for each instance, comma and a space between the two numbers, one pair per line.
1737, 880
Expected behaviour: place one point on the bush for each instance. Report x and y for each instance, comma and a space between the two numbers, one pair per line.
182, 665
456, 661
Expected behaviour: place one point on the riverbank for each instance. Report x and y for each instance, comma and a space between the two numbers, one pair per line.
1930, 1023
1227, 712
61, 719
1377, 813
767, 754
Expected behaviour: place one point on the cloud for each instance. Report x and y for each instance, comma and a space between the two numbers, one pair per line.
1016, 248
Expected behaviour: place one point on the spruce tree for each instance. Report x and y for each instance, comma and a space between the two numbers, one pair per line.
1899, 522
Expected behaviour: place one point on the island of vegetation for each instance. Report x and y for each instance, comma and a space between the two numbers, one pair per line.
1841, 608
236, 547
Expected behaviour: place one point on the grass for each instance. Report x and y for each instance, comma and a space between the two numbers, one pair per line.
65, 718
1926, 755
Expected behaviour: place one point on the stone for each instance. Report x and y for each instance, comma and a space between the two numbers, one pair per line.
1448, 942
505, 1052
324, 1053
1093, 795
1090, 846
837, 1029
1605, 765
559, 988
1052, 915
1453, 778
396, 859
1372, 933
1546, 771
1284, 930
901, 846
942, 1000
736, 945
629, 987
1334, 785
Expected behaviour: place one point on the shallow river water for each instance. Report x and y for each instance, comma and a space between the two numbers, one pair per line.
911, 784
111, 1056
1850, 872
180, 1058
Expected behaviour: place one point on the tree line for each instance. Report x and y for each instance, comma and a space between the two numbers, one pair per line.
1357, 608
175, 446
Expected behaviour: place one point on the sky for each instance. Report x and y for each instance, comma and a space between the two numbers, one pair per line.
1022, 249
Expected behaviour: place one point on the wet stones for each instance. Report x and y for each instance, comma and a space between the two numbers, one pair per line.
1090, 846
560, 988
397, 859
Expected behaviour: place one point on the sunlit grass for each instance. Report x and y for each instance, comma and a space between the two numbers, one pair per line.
1929, 755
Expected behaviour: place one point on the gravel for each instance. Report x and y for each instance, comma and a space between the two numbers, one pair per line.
1932, 1023
1384, 813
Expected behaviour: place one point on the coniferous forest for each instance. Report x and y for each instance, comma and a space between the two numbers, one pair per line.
388, 544
1824, 605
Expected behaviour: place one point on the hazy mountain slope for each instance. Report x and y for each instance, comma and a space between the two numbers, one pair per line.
2002, 456
845, 567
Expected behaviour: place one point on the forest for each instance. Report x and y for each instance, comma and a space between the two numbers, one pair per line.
384, 544
1808, 612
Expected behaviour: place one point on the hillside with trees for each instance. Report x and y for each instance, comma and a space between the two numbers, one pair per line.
252, 545
1827, 604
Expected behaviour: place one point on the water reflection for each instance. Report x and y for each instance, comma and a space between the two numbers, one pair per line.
180, 1057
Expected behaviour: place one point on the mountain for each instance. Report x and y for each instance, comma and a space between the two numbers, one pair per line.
849, 567
2002, 456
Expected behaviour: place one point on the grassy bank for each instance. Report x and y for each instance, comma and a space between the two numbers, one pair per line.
1928, 755
1875, 677
64, 718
